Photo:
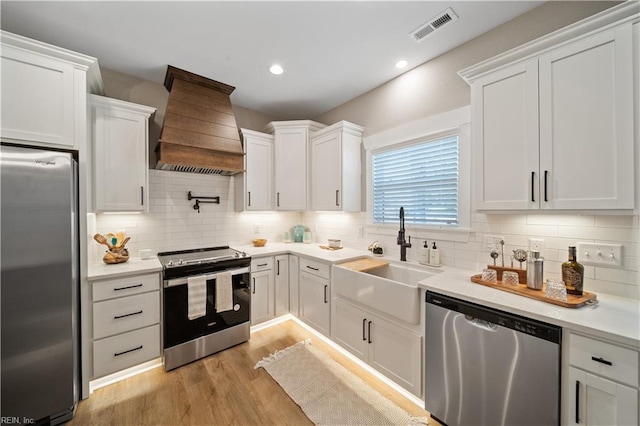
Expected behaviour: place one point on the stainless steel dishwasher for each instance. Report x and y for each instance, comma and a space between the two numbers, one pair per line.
488, 367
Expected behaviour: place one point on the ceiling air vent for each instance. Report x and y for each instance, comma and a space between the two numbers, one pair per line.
433, 24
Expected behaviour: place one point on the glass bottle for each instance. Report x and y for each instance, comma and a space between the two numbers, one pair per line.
573, 273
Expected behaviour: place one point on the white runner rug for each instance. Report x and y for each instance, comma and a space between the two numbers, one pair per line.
328, 393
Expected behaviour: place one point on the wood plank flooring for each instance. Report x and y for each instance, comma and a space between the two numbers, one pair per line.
222, 389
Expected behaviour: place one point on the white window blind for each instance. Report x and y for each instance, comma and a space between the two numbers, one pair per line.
422, 178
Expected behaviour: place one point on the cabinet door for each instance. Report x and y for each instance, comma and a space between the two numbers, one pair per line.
586, 123
120, 171
505, 132
261, 296
37, 98
326, 172
282, 284
597, 401
294, 285
314, 302
396, 353
349, 328
291, 169
259, 174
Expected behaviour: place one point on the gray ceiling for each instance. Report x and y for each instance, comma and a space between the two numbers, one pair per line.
331, 51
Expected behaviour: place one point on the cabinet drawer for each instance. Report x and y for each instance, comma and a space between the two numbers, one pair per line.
127, 286
315, 268
128, 313
261, 264
125, 350
604, 359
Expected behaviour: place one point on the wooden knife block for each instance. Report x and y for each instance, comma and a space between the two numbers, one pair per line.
522, 273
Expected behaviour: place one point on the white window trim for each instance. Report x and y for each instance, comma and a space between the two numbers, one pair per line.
455, 122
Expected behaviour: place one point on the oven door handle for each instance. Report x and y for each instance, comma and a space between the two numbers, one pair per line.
183, 280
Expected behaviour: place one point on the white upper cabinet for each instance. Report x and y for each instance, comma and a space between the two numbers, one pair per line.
291, 150
553, 120
254, 187
44, 92
586, 123
121, 136
336, 168
505, 128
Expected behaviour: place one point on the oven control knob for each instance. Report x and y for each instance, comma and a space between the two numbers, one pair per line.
180, 262
170, 263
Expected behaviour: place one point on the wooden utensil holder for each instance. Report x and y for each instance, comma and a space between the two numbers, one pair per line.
116, 255
522, 273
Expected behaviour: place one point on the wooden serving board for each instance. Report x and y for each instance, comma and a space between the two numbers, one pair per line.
573, 301
365, 264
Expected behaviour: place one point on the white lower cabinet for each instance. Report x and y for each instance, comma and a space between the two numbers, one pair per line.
315, 295
262, 290
602, 383
126, 322
393, 350
595, 400
294, 285
282, 284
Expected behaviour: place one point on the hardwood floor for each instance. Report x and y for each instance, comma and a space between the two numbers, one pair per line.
222, 389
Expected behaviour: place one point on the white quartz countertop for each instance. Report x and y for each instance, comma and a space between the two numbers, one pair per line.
133, 266
310, 250
613, 318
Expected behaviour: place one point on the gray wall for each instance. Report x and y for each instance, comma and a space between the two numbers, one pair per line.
435, 87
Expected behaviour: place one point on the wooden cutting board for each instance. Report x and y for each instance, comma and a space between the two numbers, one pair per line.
365, 264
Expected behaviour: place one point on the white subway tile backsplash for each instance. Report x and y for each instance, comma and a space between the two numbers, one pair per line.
172, 224
560, 220
630, 222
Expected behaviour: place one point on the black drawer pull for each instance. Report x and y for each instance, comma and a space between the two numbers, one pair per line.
364, 337
127, 315
601, 360
127, 287
126, 352
262, 264
533, 187
577, 401
546, 172
312, 268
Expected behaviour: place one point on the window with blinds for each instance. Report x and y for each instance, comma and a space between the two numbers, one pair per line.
422, 178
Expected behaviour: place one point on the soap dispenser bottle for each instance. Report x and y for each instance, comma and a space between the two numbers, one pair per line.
424, 254
434, 255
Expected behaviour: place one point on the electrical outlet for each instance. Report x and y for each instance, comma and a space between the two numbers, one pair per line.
600, 254
256, 229
536, 244
361, 231
492, 242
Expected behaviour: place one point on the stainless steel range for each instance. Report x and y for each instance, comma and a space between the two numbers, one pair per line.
196, 285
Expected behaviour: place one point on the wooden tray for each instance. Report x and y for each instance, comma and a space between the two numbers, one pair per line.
366, 264
572, 301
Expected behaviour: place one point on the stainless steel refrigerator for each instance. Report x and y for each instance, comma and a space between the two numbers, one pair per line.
39, 285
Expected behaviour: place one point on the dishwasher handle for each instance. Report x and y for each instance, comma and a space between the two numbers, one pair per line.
480, 323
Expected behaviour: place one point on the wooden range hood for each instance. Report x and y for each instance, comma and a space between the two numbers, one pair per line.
199, 134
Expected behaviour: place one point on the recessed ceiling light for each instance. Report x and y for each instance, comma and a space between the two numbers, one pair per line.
276, 69
401, 64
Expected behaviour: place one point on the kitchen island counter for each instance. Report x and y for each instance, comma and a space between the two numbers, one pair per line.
614, 318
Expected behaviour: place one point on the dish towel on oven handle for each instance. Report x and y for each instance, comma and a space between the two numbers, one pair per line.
197, 296
224, 292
